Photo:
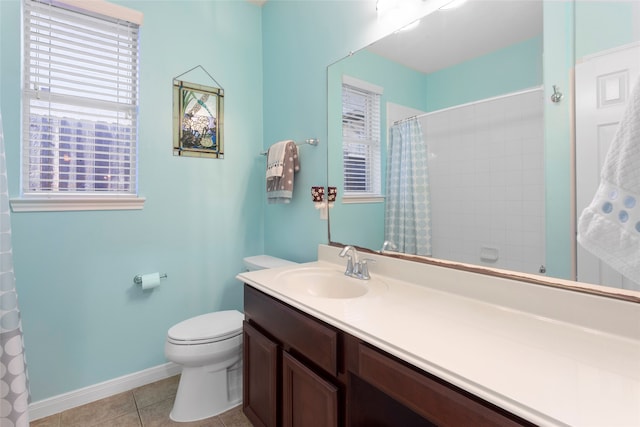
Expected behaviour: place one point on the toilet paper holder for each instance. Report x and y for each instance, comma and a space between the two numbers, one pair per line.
138, 278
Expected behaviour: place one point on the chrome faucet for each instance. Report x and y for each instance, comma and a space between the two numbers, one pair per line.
352, 259
355, 268
388, 244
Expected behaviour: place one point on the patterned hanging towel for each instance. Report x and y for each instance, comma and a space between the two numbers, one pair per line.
280, 188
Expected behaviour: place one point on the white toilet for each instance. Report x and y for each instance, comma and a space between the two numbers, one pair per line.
209, 348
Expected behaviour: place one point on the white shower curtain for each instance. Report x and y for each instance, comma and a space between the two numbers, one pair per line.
14, 389
407, 209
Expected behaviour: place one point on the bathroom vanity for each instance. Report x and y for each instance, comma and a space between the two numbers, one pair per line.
331, 378
425, 345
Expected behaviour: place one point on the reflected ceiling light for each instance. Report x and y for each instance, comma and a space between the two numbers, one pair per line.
397, 13
453, 4
383, 6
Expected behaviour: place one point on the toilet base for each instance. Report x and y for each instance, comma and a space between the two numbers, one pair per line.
203, 393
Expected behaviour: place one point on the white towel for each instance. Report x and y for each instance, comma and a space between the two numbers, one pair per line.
275, 158
610, 226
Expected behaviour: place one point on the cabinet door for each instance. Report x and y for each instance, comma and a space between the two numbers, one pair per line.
260, 378
307, 399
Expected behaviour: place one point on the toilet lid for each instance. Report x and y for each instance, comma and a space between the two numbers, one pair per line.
208, 327
259, 262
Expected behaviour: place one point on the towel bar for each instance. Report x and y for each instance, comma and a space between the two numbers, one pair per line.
309, 141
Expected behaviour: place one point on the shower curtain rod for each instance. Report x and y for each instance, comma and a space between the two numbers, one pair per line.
506, 95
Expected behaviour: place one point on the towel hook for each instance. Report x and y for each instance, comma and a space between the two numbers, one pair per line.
557, 95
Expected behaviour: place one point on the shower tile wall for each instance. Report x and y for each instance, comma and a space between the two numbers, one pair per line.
487, 182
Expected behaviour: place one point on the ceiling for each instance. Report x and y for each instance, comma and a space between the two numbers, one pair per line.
456, 35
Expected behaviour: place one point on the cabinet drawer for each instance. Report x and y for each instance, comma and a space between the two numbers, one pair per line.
435, 400
317, 341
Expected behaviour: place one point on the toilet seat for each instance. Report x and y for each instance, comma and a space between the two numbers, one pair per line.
207, 328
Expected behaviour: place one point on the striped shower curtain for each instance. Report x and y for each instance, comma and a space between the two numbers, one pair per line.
14, 389
407, 205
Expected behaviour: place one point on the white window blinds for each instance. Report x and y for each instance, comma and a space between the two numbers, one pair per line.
80, 102
361, 141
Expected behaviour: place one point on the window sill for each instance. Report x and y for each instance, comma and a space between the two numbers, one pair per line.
362, 199
58, 204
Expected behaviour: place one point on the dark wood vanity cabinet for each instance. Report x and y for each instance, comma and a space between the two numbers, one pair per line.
290, 366
302, 372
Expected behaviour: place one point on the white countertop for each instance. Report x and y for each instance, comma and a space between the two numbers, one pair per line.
552, 370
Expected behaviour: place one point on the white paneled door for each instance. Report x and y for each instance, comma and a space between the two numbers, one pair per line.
603, 84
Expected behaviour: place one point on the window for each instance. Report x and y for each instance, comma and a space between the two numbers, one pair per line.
361, 139
80, 100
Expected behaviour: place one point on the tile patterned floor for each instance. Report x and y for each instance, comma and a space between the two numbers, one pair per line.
146, 406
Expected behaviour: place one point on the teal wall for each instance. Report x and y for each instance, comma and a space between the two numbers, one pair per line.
300, 38
559, 174
84, 322
510, 69
602, 25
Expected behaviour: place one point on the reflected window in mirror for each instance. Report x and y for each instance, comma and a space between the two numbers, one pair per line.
361, 141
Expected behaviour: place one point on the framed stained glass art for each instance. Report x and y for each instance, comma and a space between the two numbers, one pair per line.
198, 119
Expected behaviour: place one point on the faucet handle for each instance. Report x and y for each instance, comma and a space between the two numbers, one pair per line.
349, 270
364, 268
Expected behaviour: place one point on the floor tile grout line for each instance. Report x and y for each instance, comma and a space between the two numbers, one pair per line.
137, 409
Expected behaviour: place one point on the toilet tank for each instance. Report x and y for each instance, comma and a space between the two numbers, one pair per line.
261, 262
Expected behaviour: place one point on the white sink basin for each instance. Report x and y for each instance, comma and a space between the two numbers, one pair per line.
327, 283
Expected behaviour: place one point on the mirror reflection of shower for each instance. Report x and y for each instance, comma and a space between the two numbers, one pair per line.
486, 170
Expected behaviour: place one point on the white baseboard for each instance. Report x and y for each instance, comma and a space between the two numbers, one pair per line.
62, 402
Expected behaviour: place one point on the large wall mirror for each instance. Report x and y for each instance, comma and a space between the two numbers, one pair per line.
507, 108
